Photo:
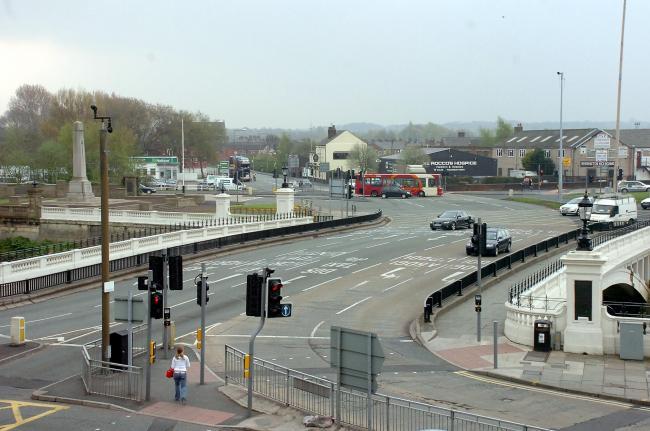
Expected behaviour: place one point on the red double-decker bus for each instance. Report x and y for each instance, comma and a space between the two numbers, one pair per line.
418, 184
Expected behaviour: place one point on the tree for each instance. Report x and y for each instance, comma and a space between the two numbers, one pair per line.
537, 158
365, 157
283, 149
490, 138
413, 155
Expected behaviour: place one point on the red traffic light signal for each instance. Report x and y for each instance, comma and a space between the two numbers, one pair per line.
156, 305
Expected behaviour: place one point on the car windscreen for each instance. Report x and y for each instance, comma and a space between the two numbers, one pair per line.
448, 214
602, 209
491, 234
574, 201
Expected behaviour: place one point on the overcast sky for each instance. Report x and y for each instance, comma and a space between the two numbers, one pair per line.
293, 64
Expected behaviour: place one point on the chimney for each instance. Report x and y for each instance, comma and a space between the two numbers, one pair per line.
518, 128
461, 133
331, 131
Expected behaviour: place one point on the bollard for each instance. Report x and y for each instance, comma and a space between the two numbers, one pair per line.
17, 331
495, 326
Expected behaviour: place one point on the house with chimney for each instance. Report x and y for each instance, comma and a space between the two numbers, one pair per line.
334, 153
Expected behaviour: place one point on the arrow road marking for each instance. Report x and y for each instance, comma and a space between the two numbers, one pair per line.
390, 274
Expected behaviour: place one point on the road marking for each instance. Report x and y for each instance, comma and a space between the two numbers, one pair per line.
15, 406
313, 331
240, 284
390, 273
473, 376
226, 278
377, 245
401, 282
408, 237
40, 320
295, 278
367, 267
360, 284
353, 305
449, 277
293, 337
185, 302
442, 245
320, 284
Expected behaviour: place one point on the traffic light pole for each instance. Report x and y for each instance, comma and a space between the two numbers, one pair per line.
478, 280
147, 395
203, 337
164, 287
251, 347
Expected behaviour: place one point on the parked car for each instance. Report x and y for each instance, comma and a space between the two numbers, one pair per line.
146, 190
497, 240
571, 207
645, 203
633, 186
230, 186
452, 220
394, 191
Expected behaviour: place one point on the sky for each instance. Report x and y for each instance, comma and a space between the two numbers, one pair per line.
298, 63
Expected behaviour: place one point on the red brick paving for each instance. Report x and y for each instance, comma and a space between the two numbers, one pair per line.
185, 413
470, 357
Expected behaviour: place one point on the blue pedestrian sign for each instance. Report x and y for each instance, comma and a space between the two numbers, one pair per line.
286, 310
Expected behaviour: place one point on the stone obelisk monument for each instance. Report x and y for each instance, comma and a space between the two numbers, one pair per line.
79, 188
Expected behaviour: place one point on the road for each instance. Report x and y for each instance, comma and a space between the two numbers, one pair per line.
373, 279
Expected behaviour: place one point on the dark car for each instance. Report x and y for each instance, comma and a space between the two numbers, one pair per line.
497, 240
452, 220
147, 190
394, 191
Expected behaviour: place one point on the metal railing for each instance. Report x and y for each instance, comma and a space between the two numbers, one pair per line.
114, 379
628, 309
318, 396
522, 286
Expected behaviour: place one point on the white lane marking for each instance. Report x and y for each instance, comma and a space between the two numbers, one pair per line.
390, 273
208, 328
226, 278
442, 245
405, 341
367, 267
353, 305
40, 320
401, 282
97, 306
240, 284
386, 237
295, 278
408, 237
417, 205
186, 302
380, 244
402, 256
295, 337
86, 334
320, 284
360, 284
313, 331
449, 277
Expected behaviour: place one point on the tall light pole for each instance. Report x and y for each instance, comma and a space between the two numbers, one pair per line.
560, 171
618, 100
183, 153
106, 239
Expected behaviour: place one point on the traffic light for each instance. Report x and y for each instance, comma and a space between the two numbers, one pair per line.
199, 296
619, 177
350, 191
482, 238
156, 265
254, 294
143, 282
156, 305
175, 272
275, 173
475, 237
275, 308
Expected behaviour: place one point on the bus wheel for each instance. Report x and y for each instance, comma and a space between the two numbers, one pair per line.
373, 194
421, 194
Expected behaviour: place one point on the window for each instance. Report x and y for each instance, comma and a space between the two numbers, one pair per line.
511, 152
499, 152
432, 182
582, 294
340, 156
522, 152
547, 154
152, 172
563, 152
372, 181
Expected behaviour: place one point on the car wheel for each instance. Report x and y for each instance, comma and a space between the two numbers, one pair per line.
631, 221
623, 190
373, 194
403, 196
496, 250
453, 226
508, 247
564, 214
421, 194
383, 195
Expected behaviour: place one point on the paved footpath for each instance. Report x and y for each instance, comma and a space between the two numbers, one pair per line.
455, 341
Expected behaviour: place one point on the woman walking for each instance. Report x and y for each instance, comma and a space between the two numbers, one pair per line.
180, 365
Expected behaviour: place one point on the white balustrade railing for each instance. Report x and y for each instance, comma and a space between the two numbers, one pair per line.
625, 248
53, 263
519, 322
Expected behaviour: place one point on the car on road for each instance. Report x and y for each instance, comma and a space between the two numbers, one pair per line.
571, 207
497, 240
645, 203
394, 191
452, 219
147, 190
633, 186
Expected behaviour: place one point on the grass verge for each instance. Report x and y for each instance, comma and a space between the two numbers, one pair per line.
536, 201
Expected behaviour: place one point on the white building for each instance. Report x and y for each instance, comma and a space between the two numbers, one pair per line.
163, 167
334, 153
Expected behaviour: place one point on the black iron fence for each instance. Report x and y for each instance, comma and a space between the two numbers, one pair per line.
524, 285
69, 276
628, 309
456, 287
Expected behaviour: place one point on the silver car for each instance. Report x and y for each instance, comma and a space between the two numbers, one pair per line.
633, 186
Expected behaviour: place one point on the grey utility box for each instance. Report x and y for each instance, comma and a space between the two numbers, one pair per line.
631, 335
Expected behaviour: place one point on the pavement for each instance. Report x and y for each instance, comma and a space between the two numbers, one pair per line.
453, 337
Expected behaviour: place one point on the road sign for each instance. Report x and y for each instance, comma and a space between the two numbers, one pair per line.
566, 162
622, 151
593, 163
601, 155
602, 141
121, 310
285, 310
358, 356
324, 167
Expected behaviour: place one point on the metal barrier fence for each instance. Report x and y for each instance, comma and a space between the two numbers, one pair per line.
456, 287
112, 379
318, 396
66, 277
522, 286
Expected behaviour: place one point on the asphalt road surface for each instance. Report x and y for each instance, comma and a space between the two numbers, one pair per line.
372, 279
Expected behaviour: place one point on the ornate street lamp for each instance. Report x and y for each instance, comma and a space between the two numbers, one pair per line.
285, 171
584, 211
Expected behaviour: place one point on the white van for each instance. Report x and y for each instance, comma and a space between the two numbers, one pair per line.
614, 209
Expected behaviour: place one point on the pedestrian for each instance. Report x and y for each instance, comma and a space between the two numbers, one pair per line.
181, 365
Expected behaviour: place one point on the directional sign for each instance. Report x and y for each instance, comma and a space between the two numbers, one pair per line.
285, 310
358, 356
601, 155
593, 163
121, 310
602, 141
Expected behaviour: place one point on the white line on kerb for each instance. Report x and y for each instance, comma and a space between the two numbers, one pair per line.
313, 331
320, 284
353, 305
367, 267
401, 282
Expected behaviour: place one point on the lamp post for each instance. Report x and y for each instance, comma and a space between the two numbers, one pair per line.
561, 167
584, 210
106, 239
285, 171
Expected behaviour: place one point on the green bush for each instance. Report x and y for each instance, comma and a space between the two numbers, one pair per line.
460, 180
500, 180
